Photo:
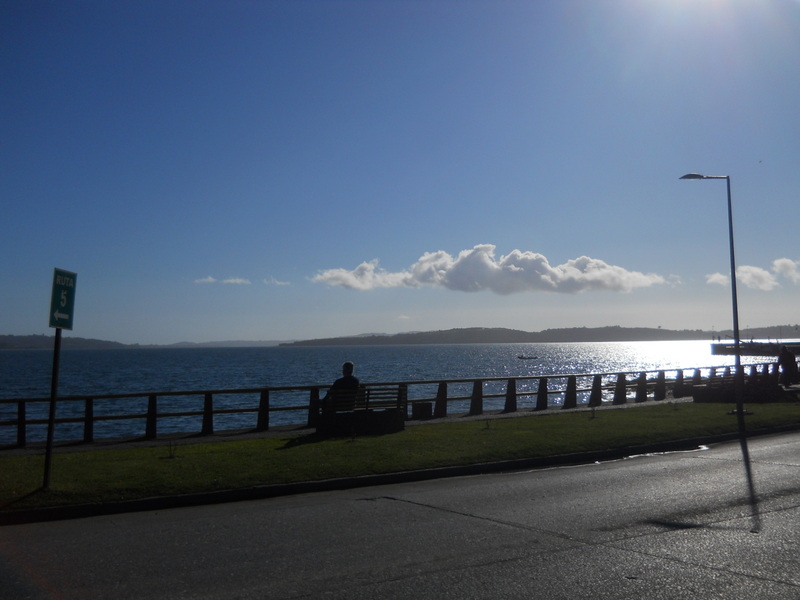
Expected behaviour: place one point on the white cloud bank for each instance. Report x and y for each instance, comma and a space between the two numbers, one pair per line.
761, 279
229, 281
477, 270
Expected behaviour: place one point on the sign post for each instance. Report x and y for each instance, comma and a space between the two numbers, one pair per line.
62, 306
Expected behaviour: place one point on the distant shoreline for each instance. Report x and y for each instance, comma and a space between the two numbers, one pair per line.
471, 335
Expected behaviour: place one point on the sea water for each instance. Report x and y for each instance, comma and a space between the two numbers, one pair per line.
27, 374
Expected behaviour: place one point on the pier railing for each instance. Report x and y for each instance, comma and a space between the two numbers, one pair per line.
155, 415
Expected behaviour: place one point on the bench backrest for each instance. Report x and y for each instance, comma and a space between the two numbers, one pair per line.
346, 400
366, 398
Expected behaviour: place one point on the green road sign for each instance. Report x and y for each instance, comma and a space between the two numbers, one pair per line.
62, 302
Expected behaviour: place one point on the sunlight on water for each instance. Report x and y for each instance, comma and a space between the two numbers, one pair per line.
137, 371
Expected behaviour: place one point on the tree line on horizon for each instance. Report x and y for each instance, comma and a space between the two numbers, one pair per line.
469, 335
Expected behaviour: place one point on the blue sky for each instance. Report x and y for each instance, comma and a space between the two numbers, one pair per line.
263, 170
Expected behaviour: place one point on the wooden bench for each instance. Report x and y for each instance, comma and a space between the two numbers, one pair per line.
715, 389
369, 410
723, 389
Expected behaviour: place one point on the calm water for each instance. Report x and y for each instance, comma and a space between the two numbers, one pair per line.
26, 374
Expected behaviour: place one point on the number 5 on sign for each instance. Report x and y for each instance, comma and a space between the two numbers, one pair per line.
62, 302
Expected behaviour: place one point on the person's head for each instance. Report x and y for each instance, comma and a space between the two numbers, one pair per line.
347, 368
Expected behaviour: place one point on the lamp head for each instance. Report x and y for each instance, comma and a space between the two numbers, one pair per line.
693, 176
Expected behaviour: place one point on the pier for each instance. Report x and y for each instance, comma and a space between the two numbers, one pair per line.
754, 348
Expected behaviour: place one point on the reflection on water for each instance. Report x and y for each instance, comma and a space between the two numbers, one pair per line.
26, 374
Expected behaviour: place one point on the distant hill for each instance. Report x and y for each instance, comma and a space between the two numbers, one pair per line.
482, 335
45, 342
470, 335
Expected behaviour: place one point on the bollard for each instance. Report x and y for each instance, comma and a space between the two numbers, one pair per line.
22, 439
262, 423
697, 378
541, 394
571, 395
88, 421
621, 390
511, 396
661, 387
679, 389
208, 415
476, 401
402, 399
440, 408
150, 431
313, 408
596, 396
641, 387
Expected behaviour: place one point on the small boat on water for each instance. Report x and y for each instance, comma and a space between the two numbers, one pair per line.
523, 357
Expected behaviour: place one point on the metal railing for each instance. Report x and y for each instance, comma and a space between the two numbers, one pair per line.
206, 412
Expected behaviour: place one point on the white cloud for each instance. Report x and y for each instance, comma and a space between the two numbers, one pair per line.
365, 276
756, 278
229, 281
273, 281
477, 270
753, 277
717, 279
787, 268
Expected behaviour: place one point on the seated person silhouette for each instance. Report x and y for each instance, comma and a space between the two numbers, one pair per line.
343, 389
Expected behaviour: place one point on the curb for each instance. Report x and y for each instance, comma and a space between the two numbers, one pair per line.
79, 511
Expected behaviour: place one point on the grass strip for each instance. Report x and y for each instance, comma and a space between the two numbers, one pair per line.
108, 475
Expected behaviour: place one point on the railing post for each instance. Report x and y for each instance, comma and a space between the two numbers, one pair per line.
208, 414
476, 401
661, 387
641, 387
727, 372
571, 395
22, 438
621, 390
262, 423
440, 408
511, 396
541, 394
402, 399
151, 425
678, 390
596, 396
697, 378
313, 408
88, 421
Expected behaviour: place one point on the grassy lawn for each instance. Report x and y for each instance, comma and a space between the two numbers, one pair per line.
106, 475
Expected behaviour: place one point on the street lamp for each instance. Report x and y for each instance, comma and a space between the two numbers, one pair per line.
738, 378
739, 375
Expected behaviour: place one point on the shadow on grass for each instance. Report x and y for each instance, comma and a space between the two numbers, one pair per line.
303, 440
11, 503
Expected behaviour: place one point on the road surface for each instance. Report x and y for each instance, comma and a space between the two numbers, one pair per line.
669, 526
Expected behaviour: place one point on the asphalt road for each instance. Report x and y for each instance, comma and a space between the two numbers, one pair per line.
669, 526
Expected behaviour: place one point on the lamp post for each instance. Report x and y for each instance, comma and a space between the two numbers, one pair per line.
738, 379
739, 376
